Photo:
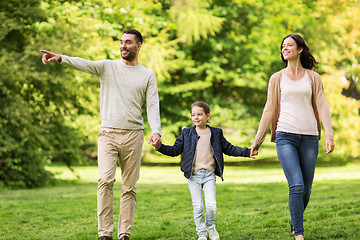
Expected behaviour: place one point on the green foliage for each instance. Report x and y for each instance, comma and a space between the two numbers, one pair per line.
335, 24
193, 20
16, 18
345, 119
37, 106
22, 159
230, 70
221, 52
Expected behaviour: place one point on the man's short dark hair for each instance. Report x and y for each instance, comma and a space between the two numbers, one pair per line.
138, 36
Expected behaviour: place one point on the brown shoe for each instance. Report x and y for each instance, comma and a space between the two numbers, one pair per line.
125, 238
105, 238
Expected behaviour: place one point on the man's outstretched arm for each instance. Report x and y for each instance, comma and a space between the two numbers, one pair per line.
87, 66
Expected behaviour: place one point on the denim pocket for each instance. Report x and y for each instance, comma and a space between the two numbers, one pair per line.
281, 137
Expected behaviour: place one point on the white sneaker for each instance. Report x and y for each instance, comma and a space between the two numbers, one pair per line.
202, 238
213, 234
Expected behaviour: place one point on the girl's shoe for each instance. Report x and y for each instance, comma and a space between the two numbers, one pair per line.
213, 234
202, 238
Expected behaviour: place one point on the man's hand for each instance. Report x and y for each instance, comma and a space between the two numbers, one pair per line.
155, 140
329, 146
50, 56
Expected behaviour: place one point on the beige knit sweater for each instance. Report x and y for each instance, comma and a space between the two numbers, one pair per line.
123, 92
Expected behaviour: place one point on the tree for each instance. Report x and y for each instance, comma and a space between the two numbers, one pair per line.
335, 36
21, 158
37, 106
221, 52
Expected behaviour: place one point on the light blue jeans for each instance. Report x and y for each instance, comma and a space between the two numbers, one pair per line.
297, 155
203, 180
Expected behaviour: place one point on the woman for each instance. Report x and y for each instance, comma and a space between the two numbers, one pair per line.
294, 103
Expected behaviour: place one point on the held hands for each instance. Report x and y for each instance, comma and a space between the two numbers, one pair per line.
50, 56
253, 151
155, 140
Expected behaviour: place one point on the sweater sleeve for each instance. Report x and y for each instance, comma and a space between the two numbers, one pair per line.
267, 114
174, 150
232, 150
323, 107
87, 66
152, 105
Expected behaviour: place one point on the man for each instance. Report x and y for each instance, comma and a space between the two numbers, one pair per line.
124, 86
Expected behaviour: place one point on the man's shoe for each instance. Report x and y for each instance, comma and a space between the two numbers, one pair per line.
291, 226
105, 238
125, 238
213, 234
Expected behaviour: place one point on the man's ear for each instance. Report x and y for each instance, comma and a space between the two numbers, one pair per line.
139, 45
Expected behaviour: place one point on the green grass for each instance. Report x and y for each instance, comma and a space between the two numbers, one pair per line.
252, 204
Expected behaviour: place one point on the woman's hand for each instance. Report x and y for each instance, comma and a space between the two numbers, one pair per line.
253, 151
329, 145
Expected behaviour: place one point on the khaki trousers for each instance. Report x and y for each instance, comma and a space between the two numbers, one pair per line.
123, 146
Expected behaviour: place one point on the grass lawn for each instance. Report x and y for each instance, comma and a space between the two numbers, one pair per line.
252, 204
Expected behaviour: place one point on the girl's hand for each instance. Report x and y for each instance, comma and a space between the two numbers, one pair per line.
329, 145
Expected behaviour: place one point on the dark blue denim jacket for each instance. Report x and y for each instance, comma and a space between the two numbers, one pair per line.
187, 142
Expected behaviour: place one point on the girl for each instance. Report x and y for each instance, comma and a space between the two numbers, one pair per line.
202, 149
294, 103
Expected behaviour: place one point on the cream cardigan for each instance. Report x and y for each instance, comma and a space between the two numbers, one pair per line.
272, 108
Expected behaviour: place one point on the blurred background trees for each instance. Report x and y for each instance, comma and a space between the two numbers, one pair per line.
221, 52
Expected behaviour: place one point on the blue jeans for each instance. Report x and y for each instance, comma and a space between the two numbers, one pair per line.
297, 155
203, 180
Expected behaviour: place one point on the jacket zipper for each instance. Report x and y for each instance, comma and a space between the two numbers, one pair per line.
221, 174
192, 164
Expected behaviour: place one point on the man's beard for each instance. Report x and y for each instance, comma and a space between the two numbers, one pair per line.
130, 55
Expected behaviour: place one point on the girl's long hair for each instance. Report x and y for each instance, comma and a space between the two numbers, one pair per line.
307, 59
